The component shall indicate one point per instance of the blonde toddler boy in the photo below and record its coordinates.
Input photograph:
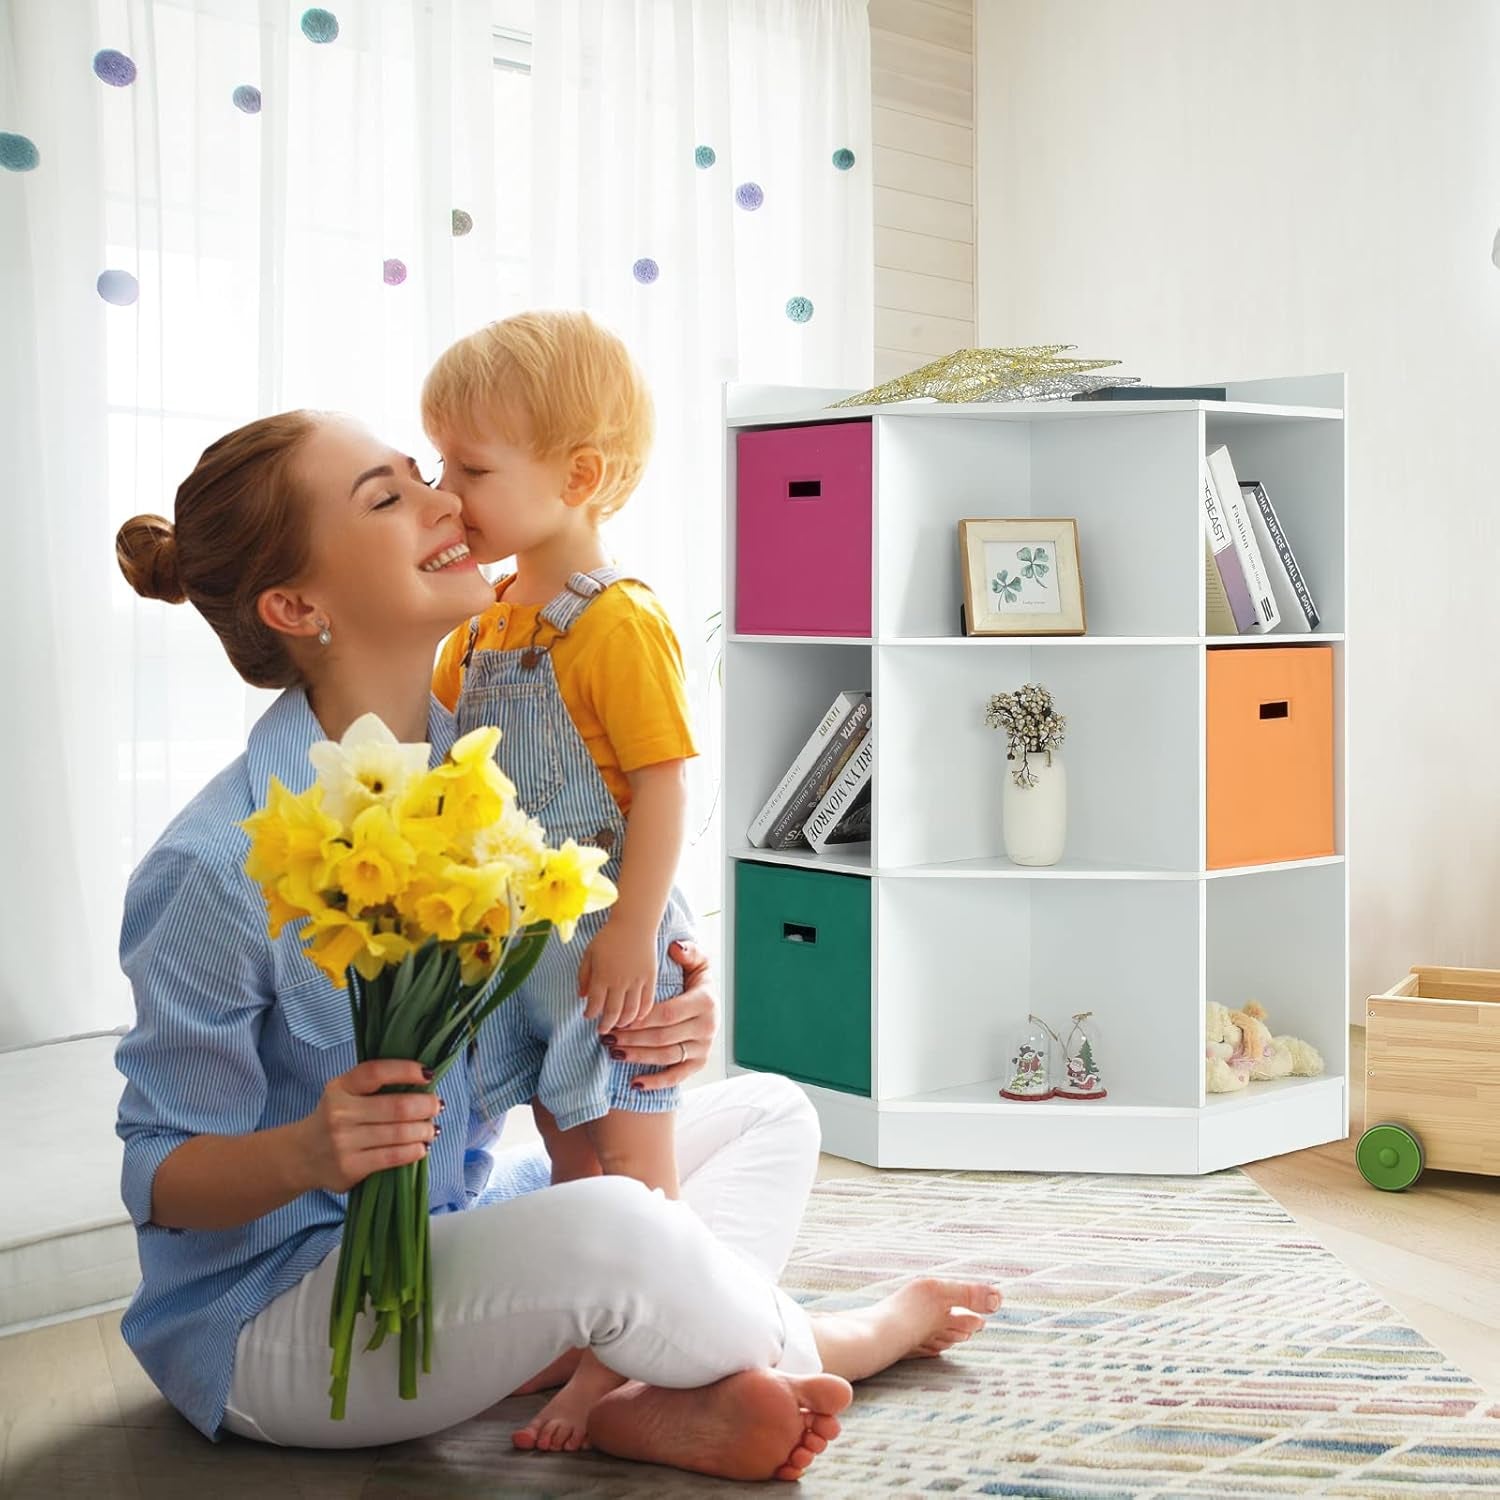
(544, 425)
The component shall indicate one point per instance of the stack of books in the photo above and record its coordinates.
(1251, 577)
(824, 798)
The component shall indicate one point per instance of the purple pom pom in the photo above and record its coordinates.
(114, 68)
(118, 287)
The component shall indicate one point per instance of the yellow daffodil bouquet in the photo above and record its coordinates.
(428, 894)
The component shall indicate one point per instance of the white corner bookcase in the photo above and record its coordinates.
(1132, 924)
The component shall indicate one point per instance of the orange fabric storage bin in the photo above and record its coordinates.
(1270, 754)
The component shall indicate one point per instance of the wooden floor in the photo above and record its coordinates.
(1433, 1252)
(77, 1416)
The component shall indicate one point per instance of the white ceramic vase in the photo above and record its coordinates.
(1036, 817)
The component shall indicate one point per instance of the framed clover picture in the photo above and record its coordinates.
(1021, 576)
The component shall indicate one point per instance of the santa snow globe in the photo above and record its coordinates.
(1081, 1079)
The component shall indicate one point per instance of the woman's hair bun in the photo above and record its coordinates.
(146, 549)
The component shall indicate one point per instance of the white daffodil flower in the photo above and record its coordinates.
(368, 767)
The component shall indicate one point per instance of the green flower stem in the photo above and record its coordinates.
(418, 1009)
(408, 1360)
(426, 1274)
(350, 1283)
(406, 1241)
(380, 1241)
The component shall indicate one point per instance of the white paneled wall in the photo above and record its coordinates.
(1217, 197)
(922, 83)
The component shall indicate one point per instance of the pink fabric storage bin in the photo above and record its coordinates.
(802, 533)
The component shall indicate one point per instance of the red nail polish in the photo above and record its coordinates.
(636, 1083)
(617, 1053)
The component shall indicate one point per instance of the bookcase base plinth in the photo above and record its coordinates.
(974, 1130)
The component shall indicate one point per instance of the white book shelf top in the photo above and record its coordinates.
(837, 859)
(1122, 1100)
(855, 860)
(1287, 638)
(1039, 411)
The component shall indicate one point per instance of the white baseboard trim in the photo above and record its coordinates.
(70, 1316)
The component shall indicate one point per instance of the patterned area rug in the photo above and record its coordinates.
(1160, 1337)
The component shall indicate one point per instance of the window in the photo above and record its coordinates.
(269, 283)
(512, 170)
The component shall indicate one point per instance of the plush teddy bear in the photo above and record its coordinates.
(1240, 1049)
(1281, 1056)
(1235, 1043)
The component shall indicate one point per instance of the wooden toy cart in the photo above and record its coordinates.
(1432, 1077)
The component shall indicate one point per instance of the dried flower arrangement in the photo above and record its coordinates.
(1032, 726)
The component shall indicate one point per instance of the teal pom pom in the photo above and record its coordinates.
(319, 25)
(18, 153)
(799, 309)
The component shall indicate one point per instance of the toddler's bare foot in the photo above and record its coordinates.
(557, 1373)
(561, 1426)
(918, 1321)
(759, 1424)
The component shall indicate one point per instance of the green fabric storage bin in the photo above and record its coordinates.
(802, 974)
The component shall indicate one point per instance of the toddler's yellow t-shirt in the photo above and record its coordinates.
(619, 670)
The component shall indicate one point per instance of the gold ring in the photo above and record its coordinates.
(682, 1049)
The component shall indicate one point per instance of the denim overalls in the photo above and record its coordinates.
(548, 1050)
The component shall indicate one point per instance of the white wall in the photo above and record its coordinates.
(1265, 187)
(922, 93)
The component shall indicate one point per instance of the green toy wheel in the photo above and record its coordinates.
(1389, 1157)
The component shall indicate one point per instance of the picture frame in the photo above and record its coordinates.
(1021, 576)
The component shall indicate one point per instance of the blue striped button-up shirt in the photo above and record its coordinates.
(234, 1034)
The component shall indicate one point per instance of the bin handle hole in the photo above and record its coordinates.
(1274, 710)
(804, 489)
(796, 932)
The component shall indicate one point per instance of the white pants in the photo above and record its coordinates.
(674, 1294)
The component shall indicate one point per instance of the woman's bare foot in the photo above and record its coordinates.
(561, 1426)
(920, 1320)
(760, 1424)
(559, 1372)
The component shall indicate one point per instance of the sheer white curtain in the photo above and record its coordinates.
(270, 194)
(251, 179)
(701, 182)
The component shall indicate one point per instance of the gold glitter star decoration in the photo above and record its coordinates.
(1030, 374)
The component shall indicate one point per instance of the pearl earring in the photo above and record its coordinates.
(325, 635)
